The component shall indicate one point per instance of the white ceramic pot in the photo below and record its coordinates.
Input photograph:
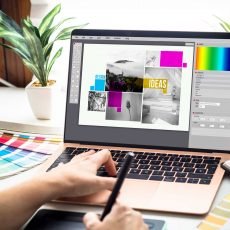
(41, 100)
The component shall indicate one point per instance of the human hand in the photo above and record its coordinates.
(120, 217)
(78, 177)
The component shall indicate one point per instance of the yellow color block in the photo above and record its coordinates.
(215, 220)
(156, 83)
(227, 197)
(55, 140)
(225, 204)
(221, 212)
(205, 226)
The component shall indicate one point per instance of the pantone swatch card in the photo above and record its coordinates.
(19, 152)
(42, 144)
(219, 217)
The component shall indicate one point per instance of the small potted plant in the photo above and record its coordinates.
(34, 45)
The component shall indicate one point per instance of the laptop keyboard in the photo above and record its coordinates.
(156, 166)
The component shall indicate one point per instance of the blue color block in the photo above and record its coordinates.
(91, 87)
(13, 157)
(24, 136)
(99, 85)
(4, 152)
(10, 149)
(23, 153)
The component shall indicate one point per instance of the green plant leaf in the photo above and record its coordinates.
(46, 35)
(50, 65)
(37, 32)
(48, 19)
(34, 69)
(8, 23)
(65, 33)
(47, 50)
(224, 24)
(16, 40)
(34, 44)
(62, 35)
(14, 35)
(36, 51)
(29, 23)
(16, 50)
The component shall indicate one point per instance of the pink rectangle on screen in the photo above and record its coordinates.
(114, 99)
(171, 59)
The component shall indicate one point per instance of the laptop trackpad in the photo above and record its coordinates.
(137, 192)
(134, 193)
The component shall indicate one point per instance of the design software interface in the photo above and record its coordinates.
(167, 84)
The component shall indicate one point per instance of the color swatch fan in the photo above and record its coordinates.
(219, 217)
(19, 152)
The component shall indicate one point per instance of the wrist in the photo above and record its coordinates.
(48, 186)
(56, 183)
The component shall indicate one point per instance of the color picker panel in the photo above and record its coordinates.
(213, 58)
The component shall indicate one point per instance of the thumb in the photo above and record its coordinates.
(91, 221)
(106, 182)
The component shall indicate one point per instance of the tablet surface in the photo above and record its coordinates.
(46, 219)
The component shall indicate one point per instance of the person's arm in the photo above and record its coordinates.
(76, 178)
(17, 204)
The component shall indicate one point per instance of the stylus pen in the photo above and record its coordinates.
(117, 186)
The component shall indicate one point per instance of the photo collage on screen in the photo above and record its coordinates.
(145, 88)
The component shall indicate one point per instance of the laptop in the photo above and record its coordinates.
(163, 95)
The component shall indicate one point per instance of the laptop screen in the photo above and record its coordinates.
(149, 89)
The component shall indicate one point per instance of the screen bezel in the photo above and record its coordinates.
(135, 33)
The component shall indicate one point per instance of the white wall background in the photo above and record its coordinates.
(191, 15)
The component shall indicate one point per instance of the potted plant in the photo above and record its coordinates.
(34, 45)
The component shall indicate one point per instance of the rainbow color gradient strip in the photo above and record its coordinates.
(213, 58)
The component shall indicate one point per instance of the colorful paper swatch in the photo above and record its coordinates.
(13, 160)
(218, 217)
(45, 145)
(213, 58)
(19, 152)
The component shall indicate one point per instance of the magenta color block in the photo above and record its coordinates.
(171, 59)
(118, 110)
(114, 99)
(184, 65)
